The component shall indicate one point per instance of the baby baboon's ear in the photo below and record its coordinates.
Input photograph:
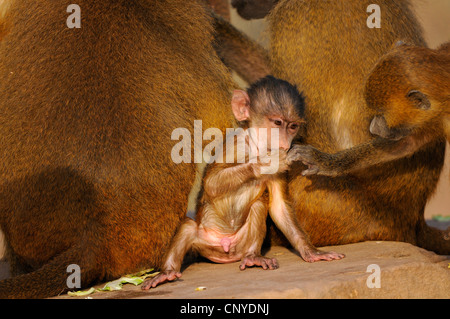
(419, 100)
(240, 104)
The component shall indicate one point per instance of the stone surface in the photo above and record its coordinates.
(406, 272)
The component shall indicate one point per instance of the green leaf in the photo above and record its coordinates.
(135, 279)
(117, 284)
(141, 273)
(441, 218)
(81, 293)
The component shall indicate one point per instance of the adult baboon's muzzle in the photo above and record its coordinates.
(379, 127)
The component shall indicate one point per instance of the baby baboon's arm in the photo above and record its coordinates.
(283, 218)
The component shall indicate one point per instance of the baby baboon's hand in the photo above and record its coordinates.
(274, 162)
(314, 255)
(283, 165)
(318, 162)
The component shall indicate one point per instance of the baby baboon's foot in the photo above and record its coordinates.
(265, 263)
(161, 278)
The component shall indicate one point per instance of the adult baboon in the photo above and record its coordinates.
(327, 49)
(86, 116)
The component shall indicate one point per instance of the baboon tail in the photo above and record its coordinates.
(239, 53)
(52, 278)
(433, 239)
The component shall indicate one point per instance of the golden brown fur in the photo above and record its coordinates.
(327, 50)
(86, 118)
(409, 88)
(4, 25)
(239, 53)
(221, 7)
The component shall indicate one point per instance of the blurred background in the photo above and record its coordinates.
(435, 18)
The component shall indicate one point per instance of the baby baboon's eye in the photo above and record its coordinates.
(277, 122)
(419, 100)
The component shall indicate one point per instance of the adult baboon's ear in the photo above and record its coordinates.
(419, 100)
(399, 43)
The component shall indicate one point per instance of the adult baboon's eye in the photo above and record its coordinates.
(419, 100)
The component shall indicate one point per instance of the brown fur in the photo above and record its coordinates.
(86, 118)
(410, 89)
(238, 52)
(404, 81)
(4, 25)
(327, 50)
(221, 7)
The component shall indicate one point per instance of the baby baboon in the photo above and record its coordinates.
(231, 222)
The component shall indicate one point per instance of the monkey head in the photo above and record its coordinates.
(399, 90)
(271, 103)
